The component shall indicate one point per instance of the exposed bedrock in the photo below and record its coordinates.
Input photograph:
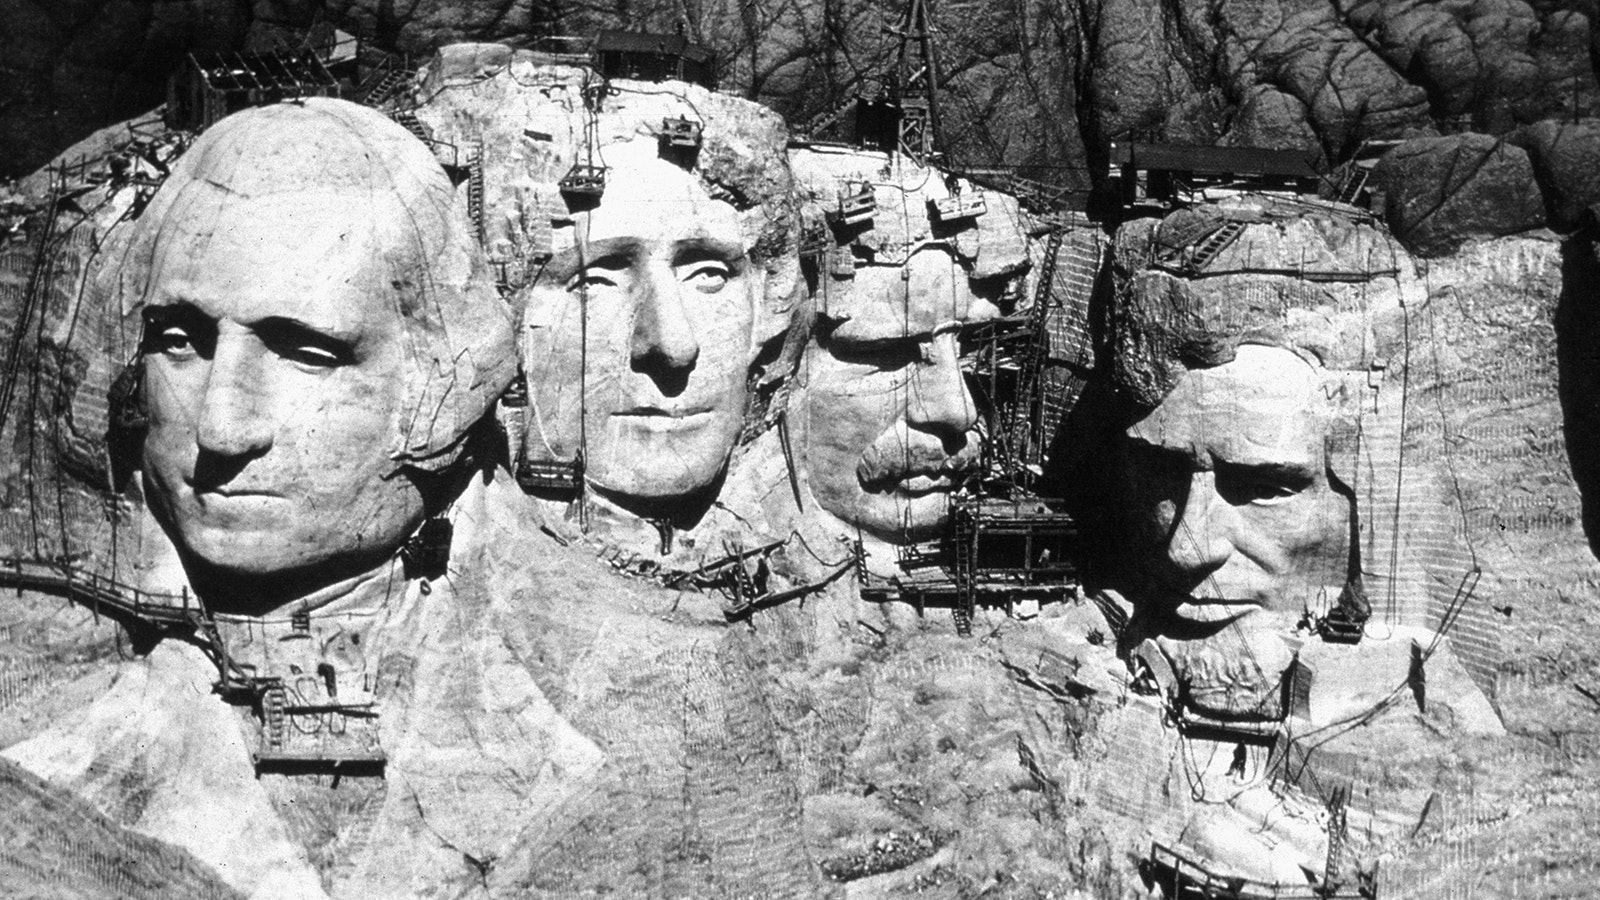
(1028, 83)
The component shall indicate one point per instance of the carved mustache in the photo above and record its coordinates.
(900, 454)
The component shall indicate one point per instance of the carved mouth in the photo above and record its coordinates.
(937, 482)
(228, 492)
(658, 419)
(1195, 617)
(925, 475)
(656, 412)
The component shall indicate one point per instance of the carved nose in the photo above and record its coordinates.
(1201, 539)
(663, 339)
(939, 400)
(234, 418)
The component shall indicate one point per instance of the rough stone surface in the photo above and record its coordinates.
(58, 846)
(1439, 192)
(1041, 85)
(834, 748)
(1563, 154)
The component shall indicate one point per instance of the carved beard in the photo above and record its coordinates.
(1236, 674)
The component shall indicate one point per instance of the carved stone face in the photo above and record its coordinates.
(659, 382)
(274, 350)
(891, 425)
(1228, 491)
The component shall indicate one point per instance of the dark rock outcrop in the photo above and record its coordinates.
(1039, 85)
(1440, 192)
(69, 68)
(1566, 161)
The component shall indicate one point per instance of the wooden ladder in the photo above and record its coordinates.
(964, 574)
(1350, 192)
(1213, 244)
(475, 189)
(273, 717)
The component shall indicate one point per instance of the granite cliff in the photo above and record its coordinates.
(838, 748)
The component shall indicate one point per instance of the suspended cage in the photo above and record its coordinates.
(959, 207)
(681, 133)
(814, 241)
(583, 181)
(427, 554)
(856, 207)
(1346, 622)
(550, 476)
(516, 395)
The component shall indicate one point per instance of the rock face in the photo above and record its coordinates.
(587, 695)
(1440, 192)
(1563, 160)
(46, 826)
(1033, 84)
(72, 68)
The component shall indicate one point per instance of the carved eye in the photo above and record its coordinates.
(707, 276)
(606, 271)
(312, 356)
(173, 341)
(177, 332)
(304, 346)
(590, 279)
(1240, 486)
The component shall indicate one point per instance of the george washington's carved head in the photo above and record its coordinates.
(320, 337)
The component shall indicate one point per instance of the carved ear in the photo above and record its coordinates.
(126, 423)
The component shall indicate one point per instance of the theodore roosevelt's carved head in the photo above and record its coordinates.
(891, 426)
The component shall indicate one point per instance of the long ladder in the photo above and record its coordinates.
(475, 190)
(1021, 427)
(409, 121)
(828, 118)
(964, 574)
(1333, 872)
(382, 85)
(38, 278)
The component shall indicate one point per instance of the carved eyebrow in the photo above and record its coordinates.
(179, 311)
(862, 333)
(611, 253)
(1287, 472)
(285, 331)
(704, 247)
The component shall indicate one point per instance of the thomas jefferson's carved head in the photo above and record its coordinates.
(320, 337)
(662, 273)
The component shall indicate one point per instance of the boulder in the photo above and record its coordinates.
(1566, 162)
(1441, 191)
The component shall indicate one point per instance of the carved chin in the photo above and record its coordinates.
(1234, 675)
(659, 458)
(273, 535)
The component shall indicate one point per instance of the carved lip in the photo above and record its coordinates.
(229, 493)
(917, 483)
(1211, 613)
(657, 412)
(920, 478)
